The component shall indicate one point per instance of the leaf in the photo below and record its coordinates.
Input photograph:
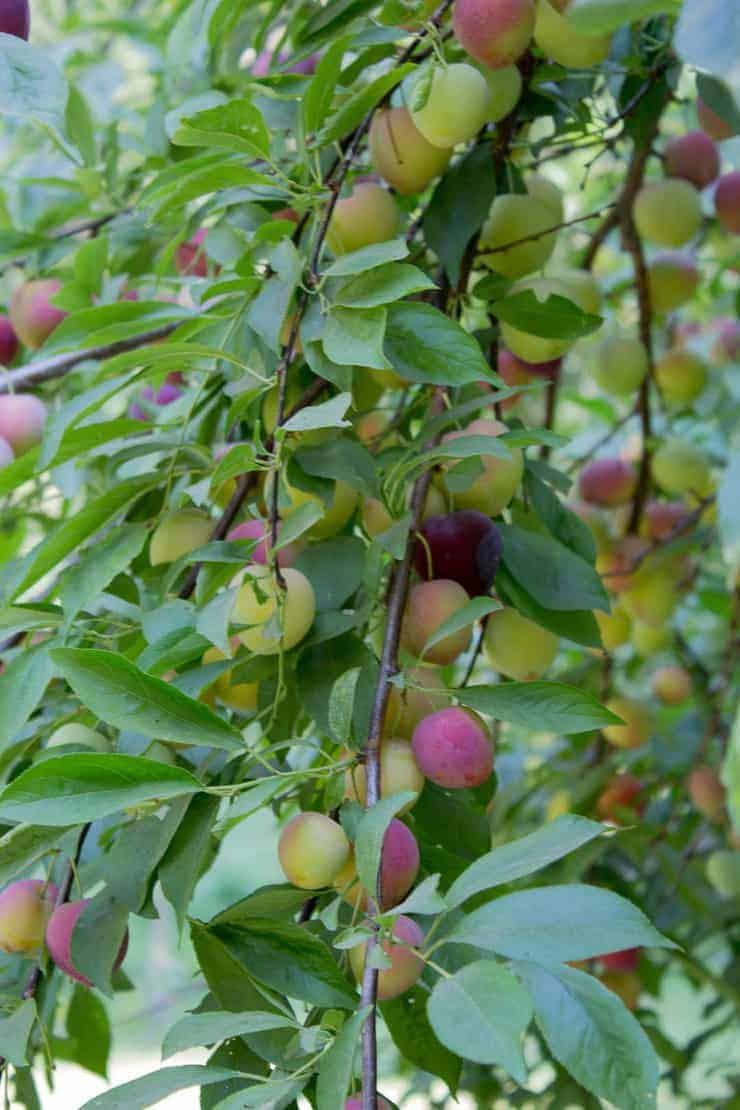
(123, 696)
(341, 704)
(70, 789)
(555, 576)
(424, 345)
(353, 110)
(458, 208)
(371, 831)
(578, 625)
(209, 1028)
(15, 1030)
(382, 286)
(83, 583)
(730, 772)
(320, 93)
(79, 126)
(336, 1065)
(603, 16)
(180, 867)
(23, 845)
(423, 900)
(473, 610)
(481, 1013)
(523, 856)
(150, 1089)
(591, 1033)
(130, 866)
(334, 568)
(330, 414)
(554, 318)
(320, 666)
(728, 514)
(341, 458)
(236, 125)
(32, 86)
(559, 520)
(22, 685)
(96, 939)
(367, 258)
(89, 1031)
(717, 96)
(413, 1036)
(268, 310)
(558, 923)
(707, 34)
(354, 337)
(550, 706)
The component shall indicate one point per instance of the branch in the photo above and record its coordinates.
(546, 231)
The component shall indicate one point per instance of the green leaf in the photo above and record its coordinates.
(413, 1036)
(356, 108)
(319, 667)
(559, 520)
(523, 856)
(550, 706)
(15, 1030)
(22, 686)
(129, 866)
(289, 959)
(728, 514)
(320, 93)
(336, 1065)
(79, 126)
(32, 86)
(209, 1028)
(341, 458)
(123, 696)
(473, 610)
(88, 1029)
(83, 583)
(367, 258)
(371, 830)
(24, 845)
(578, 625)
(341, 705)
(602, 16)
(330, 414)
(70, 789)
(24, 618)
(92, 327)
(731, 772)
(481, 1013)
(150, 1089)
(591, 1033)
(554, 318)
(180, 867)
(97, 937)
(424, 345)
(458, 208)
(334, 568)
(555, 576)
(707, 35)
(717, 96)
(236, 125)
(558, 923)
(354, 337)
(382, 286)
(266, 314)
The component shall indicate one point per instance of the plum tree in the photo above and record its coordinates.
(399, 772)
(607, 482)
(668, 212)
(707, 792)
(693, 157)
(513, 217)
(31, 312)
(242, 696)
(368, 215)
(401, 154)
(75, 733)
(399, 867)
(516, 646)
(406, 965)
(713, 124)
(672, 281)
(22, 421)
(637, 723)
(429, 605)
(59, 940)
(671, 684)
(560, 40)
(8, 341)
(25, 908)
(15, 18)
(452, 546)
(504, 91)
(727, 202)
(191, 259)
(178, 534)
(494, 34)
(679, 467)
(453, 748)
(277, 619)
(621, 800)
(452, 106)
(620, 365)
(312, 850)
(491, 491)
(423, 693)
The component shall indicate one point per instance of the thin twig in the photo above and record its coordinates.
(545, 231)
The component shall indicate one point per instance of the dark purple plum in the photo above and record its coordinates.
(15, 18)
(464, 546)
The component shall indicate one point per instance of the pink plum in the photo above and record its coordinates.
(190, 256)
(259, 530)
(22, 420)
(727, 201)
(406, 966)
(453, 749)
(694, 157)
(495, 34)
(32, 314)
(59, 940)
(607, 482)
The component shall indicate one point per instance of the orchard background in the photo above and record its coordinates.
(370, 539)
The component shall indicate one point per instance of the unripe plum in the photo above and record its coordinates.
(275, 627)
(407, 706)
(614, 627)
(579, 286)
(620, 365)
(514, 372)
(368, 215)
(672, 281)
(429, 605)
(22, 421)
(260, 530)
(492, 490)
(620, 800)
(558, 805)
(456, 106)
(636, 728)
(564, 43)
(727, 201)
(651, 595)
(242, 696)
(648, 638)
(371, 426)
(662, 518)
(398, 870)
(712, 124)
(607, 482)
(31, 312)
(406, 966)
(74, 733)
(178, 534)
(494, 34)
(453, 749)
(512, 217)
(401, 154)
(375, 517)
(694, 157)
(667, 212)
(516, 646)
(625, 984)
(617, 563)
(399, 772)
(451, 546)
(335, 515)
(190, 257)
(59, 940)
(15, 18)
(6, 453)
(723, 872)
(504, 90)
(707, 792)
(312, 850)
(679, 467)
(626, 959)
(671, 684)
(681, 376)
(8, 341)
(25, 908)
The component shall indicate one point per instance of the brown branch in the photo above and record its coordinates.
(546, 231)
